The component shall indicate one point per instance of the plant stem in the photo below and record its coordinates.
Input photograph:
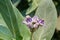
(32, 31)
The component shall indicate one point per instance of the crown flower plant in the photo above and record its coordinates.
(33, 20)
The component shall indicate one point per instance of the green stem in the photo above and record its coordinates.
(31, 35)
(32, 31)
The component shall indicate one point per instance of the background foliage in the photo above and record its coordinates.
(57, 5)
(27, 7)
(56, 36)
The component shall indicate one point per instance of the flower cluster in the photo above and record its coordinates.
(33, 22)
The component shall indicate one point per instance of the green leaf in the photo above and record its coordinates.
(16, 2)
(29, 0)
(2, 21)
(46, 11)
(32, 6)
(14, 19)
(25, 32)
(9, 17)
(5, 33)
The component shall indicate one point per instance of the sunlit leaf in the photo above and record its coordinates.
(29, 0)
(46, 11)
(32, 6)
(25, 32)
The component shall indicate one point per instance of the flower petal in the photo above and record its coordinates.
(30, 25)
(28, 16)
(35, 26)
(35, 19)
(28, 20)
(41, 22)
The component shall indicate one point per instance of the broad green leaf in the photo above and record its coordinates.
(47, 11)
(32, 6)
(14, 19)
(16, 2)
(2, 21)
(5, 33)
(25, 32)
(9, 17)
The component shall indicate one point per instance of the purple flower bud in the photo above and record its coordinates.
(28, 20)
(33, 22)
(41, 22)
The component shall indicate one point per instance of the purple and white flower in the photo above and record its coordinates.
(34, 22)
